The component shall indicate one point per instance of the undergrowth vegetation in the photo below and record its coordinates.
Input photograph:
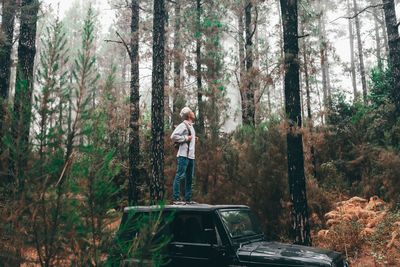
(63, 203)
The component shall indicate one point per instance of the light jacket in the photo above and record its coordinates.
(180, 135)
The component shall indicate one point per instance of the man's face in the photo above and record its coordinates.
(191, 115)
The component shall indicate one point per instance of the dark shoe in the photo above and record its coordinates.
(191, 202)
(178, 202)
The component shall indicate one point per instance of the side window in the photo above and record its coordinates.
(189, 228)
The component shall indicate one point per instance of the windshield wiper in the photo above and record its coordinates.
(260, 237)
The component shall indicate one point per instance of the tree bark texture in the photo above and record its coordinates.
(282, 72)
(134, 139)
(377, 38)
(242, 64)
(385, 34)
(394, 49)
(7, 28)
(249, 113)
(324, 58)
(24, 85)
(178, 98)
(300, 227)
(360, 52)
(352, 61)
(167, 89)
(200, 116)
(308, 102)
(157, 103)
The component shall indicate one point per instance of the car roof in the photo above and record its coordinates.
(191, 207)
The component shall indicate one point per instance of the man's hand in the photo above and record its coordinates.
(189, 138)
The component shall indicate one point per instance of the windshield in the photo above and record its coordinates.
(240, 223)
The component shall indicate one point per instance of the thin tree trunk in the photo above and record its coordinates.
(323, 56)
(377, 39)
(24, 87)
(385, 34)
(167, 88)
(352, 61)
(394, 50)
(249, 117)
(200, 116)
(326, 66)
(297, 184)
(242, 64)
(282, 72)
(157, 103)
(178, 100)
(308, 102)
(134, 139)
(360, 52)
(256, 86)
(7, 28)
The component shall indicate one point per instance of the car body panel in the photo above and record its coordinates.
(190, 248)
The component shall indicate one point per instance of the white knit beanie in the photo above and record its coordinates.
(185, 112)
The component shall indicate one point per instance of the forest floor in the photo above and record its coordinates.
(367, 232)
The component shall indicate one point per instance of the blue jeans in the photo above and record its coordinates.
(185, 169)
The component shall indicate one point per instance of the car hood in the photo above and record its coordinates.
(286, 254)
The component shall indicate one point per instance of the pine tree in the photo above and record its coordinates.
(360, 51)
(7, 28)
(248, 115)
(394, 50)
(157, 103)
(297, 184)
(47, 206)
(178, 98)
(134, 141)
(352, 61)
(200, 104)
(23, 90)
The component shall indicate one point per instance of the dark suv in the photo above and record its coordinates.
(228, 235)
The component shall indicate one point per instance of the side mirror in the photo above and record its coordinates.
(211, 235)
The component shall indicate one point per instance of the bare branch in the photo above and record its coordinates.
(303, 36)
(359, 12)
(126, 45)
(112, 41)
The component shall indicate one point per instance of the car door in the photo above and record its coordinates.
(190, 245)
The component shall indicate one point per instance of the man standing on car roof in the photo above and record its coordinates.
(185, 136)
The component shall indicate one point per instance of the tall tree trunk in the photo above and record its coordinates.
(248, 118)
(297, 183)
(24, 87)
(157, 103)
(7, 28)
(282, 72)
(352, 61)
(167, 88)
(134, 139)
(377, 38)
(178, 99)
(324, 58)
(326, 61)
(360, 52)
(242, 64)
(257, 95)
(200, 116)
(385, 34)
(394, 49)
(308, 101)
